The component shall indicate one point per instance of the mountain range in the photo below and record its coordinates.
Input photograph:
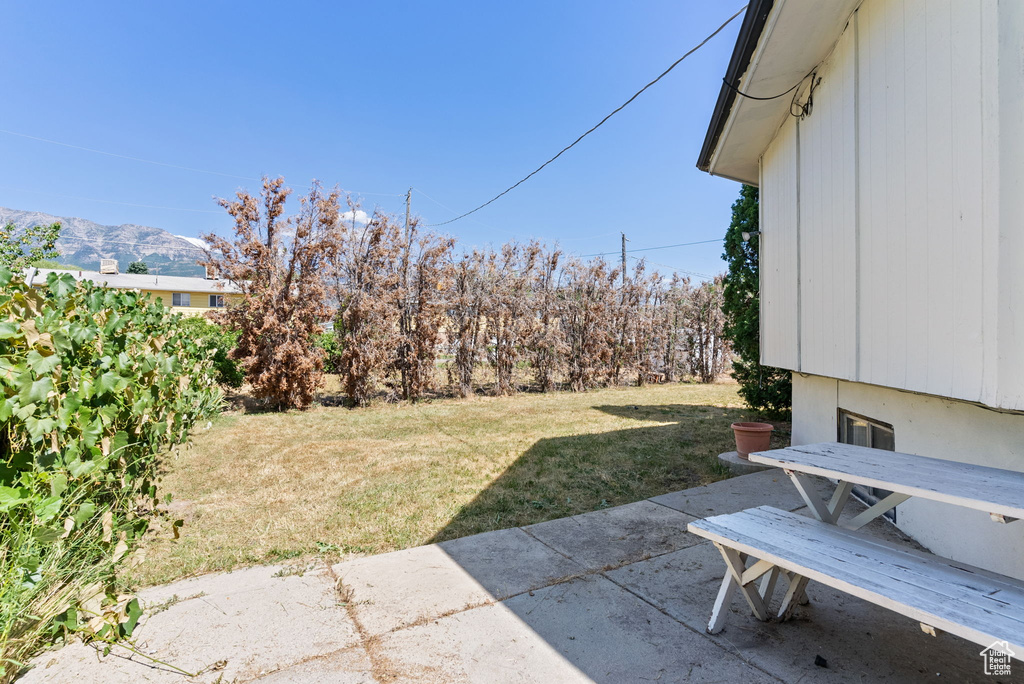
(83, 243)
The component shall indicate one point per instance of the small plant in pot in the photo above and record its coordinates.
(751, 437)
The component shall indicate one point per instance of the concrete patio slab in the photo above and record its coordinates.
(406, 587)
(585, 630)
(768, 488)
(622, 594)
(615, 536)
(238, 627)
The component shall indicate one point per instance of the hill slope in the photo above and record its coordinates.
(83, 243)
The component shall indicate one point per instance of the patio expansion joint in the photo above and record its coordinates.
(562, 580)
(297, 663)
(369, 640)
(701, 516)
(698, 632)
(593, 571)
(380, 665)
(675, 510)
(603, 573)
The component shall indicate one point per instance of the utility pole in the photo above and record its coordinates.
(623, 261)
(405, 322)
(408, 201)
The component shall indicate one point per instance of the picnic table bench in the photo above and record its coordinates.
(760, 545)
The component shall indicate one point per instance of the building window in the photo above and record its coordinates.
(216, 301)
(181, 299)
(866, 432)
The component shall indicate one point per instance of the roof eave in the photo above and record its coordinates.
(746, 42)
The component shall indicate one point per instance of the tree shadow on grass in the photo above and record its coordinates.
(563, 476)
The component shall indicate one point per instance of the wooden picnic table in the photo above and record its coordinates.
(1000, 493)
(760, 545)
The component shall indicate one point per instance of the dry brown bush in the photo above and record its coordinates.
(278, 264)
(369, 294)
(399, 297)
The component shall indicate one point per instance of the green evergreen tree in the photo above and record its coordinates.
(139, 267)
(766, 389)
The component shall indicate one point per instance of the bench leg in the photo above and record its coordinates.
(839, 498)
(819, 509)
(735, 566)
(767, 587)
(722, 601)
(880, 508)
(796, 594)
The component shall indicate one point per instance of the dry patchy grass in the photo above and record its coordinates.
(259, 488)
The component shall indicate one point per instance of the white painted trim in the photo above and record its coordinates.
(755, 58)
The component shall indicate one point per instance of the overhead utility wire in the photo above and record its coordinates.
(674, 269)
(598, 125)
(159, 163)
(126, 204)
(650, 249)
(104, 241)
(124, 156)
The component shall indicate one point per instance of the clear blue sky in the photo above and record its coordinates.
(456, 99)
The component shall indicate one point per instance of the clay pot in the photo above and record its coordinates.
(751, 437)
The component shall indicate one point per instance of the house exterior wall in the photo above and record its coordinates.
(200, 301)
(891, 251)
(934, 427)
(779, 260)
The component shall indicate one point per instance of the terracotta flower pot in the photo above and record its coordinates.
(751, 437)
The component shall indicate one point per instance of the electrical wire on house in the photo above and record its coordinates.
(594, 128)
(739, 92)
(802, 110)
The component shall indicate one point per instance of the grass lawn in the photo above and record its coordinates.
(260, 488)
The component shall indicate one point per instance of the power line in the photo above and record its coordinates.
(165, 164)
(595, 127)
(651, 249)
(103, 241)
(126, 204)
(674, 269)
(476, 220)
(443, 206)
(125, 156)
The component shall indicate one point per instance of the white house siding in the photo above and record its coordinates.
(1007, 245)
(779, 257)
(935, 427)
(828, 222)
(906, 188)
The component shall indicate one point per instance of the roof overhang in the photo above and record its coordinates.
(779, 43)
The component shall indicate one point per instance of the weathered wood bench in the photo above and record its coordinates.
(942, 594)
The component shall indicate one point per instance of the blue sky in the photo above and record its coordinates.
(458, 100)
